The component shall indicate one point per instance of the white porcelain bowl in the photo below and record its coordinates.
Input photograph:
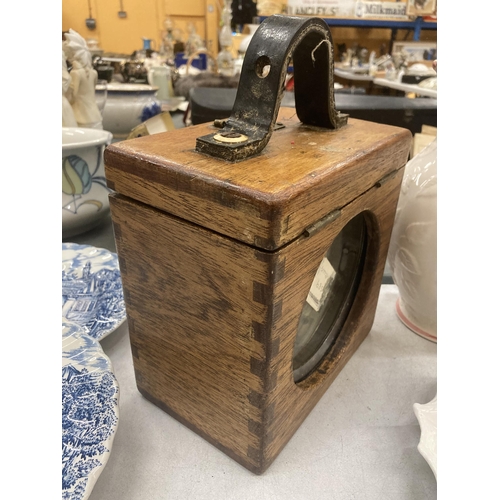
(84, 193)
(128, 105)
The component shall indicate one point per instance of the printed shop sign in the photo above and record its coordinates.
(383, 10)
(321, 8)
(348, 9)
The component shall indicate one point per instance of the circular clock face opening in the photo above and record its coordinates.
(330, 297)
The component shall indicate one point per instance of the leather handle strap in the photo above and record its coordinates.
(262, 83)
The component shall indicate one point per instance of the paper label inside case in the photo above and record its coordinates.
(321, 284)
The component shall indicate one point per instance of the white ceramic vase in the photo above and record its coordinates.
(413, 249)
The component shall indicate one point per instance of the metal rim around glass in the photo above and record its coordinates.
(330, 297)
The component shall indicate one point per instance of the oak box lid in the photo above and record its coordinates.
(302, 175)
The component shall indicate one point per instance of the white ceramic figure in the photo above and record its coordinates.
(68, 117)
(413, 248)
(194, 41)
(168, 41)
(81, 92)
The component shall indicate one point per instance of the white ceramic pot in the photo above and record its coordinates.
(413, 249)
(246, 41)
(128, 105)
(160, 76)
(84, 192)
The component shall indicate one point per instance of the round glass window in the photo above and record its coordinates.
(330, 297)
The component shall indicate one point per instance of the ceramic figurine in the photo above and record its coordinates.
(225, 60)
(68, 117)
(342, 51)
(168, 41)
(194, 42)
(81, 92)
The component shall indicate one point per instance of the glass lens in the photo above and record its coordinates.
(330, 297)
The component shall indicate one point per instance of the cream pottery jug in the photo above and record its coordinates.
(413, 249)
(160, 76)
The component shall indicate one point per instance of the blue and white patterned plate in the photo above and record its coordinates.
(90, 397)
(92, 293)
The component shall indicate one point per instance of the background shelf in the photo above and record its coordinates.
(417, 25)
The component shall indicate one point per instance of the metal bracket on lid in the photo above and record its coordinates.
(262, 83)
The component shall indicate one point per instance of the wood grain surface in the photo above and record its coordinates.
(303, 174)
(212, 321)
(212, 313)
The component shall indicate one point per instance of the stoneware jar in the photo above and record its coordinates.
(413, 249)
(128, 105)
(252, 28)
(84, 192)
(160, 76)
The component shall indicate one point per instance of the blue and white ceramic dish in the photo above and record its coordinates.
(90, 397)
(92, 293)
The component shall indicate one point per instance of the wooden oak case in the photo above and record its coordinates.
(217, 259)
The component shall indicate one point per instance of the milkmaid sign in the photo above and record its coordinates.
(348, 9)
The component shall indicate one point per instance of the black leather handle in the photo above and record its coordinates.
(262, 83)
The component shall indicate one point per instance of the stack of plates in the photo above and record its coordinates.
(92, 308)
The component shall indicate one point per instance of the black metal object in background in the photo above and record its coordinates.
(262, 83)
(242, 12)
(209, 104)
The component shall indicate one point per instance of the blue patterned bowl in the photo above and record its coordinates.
(128, 105)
